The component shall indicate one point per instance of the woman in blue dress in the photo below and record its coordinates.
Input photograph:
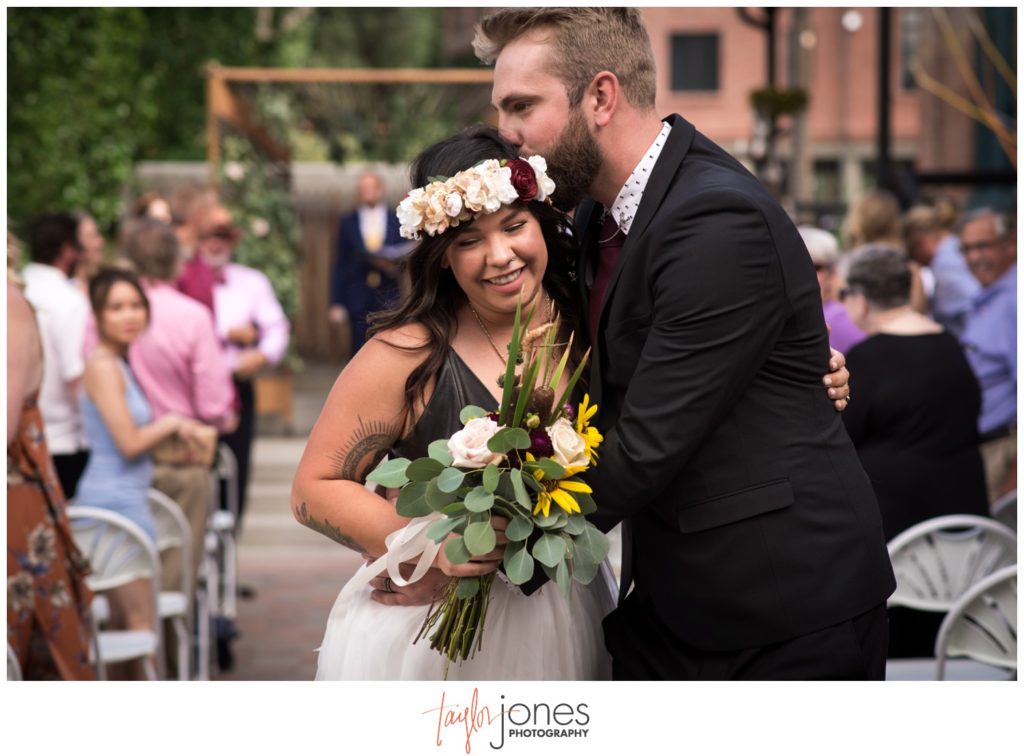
(120, 429)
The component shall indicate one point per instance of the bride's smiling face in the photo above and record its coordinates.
(496, 256)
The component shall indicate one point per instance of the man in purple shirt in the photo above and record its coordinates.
(250, 324)
(988, 242)
(180, 366)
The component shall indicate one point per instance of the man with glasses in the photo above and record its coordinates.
(988, 243)
(61, 311)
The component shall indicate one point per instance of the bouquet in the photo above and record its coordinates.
(521, 463)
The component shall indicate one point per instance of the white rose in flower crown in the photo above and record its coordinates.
(409, 214)
(453, 204)
(468, 446)
(570, 448)
(545, 186)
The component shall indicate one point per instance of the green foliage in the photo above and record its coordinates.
(79, 108)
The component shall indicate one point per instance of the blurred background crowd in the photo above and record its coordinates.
(183, 237)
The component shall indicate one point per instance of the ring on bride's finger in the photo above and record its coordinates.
(848, 397)
(387, 585)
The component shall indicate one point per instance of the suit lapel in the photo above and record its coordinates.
(669, 162)
(585, 228)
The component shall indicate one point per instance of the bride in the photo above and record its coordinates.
(439, 350)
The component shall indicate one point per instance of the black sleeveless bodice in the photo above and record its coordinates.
(456, 387)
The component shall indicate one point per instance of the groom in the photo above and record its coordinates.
(757, 550)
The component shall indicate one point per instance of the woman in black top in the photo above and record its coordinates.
(916, 416)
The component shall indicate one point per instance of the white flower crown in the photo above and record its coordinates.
(482, 189)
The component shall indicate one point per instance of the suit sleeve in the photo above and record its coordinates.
(719, 305)
(341, 274)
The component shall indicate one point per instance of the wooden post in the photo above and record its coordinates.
(214, 82)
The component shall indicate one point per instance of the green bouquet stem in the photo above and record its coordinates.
(458, 623)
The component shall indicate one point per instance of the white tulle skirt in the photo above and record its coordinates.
(539, 637)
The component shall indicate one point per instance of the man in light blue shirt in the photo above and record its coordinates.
(989, 245)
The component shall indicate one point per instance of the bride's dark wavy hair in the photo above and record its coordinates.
(435, 296)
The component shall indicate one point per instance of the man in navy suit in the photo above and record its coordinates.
(365, 276)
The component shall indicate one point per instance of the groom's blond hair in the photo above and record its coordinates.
(584, 42)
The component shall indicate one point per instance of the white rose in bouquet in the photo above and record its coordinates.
(468, 446)
(570, 448)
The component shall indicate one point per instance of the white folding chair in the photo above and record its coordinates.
(982, 625)
(119, 552)
(1004, 510)
(173, 532)
(937, 560)
(13, 668)
(224, 525)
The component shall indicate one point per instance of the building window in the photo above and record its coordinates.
(694, 62)
(910, 42)
(827, 185)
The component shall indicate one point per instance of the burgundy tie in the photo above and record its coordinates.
(609, 244)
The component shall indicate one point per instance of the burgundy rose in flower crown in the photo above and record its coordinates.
(524, 180)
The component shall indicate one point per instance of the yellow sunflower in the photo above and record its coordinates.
(591, 436)
(558, 490)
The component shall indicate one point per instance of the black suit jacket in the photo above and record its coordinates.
(753, 521)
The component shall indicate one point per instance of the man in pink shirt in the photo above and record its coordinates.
(250, 323)
(179, 363)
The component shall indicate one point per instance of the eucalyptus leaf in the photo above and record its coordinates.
(518, 529)
(454, 509)
(467, 587)
(438, 530)
(575, 525)
(518, 564)
(479, 500)
(508, 439)
(456, 551)
(424, 469)
(549, 549)
(480, 538)
(492, 475)
(439, 450)
(390, 474)
(593, 542)
(520, 490)
(551, 468)
(532, 482)
(563, 578)
(587, 504)
(450, 479)
(469, 412)
(546, 522)
(584, 572)
(412, 501)
(438, 499)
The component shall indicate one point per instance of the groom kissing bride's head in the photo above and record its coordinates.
(548, 98)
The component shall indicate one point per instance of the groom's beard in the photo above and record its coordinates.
(573, 163)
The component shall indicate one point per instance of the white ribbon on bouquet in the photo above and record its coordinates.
(403, 545)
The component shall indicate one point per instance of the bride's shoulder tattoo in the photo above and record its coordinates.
(326, 528)
(364, 449)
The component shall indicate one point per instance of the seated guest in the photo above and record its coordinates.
(914, 417)
(824, 251)
(988, 242)
(121, 431)
(179, 363)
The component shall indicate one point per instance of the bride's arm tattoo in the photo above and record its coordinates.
(326, 528)
(364, 449)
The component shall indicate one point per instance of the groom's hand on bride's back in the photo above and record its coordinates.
(837, 380)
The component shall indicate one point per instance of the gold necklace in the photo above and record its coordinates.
(487, 333)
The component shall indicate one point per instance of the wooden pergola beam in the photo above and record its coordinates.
(359, 75)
